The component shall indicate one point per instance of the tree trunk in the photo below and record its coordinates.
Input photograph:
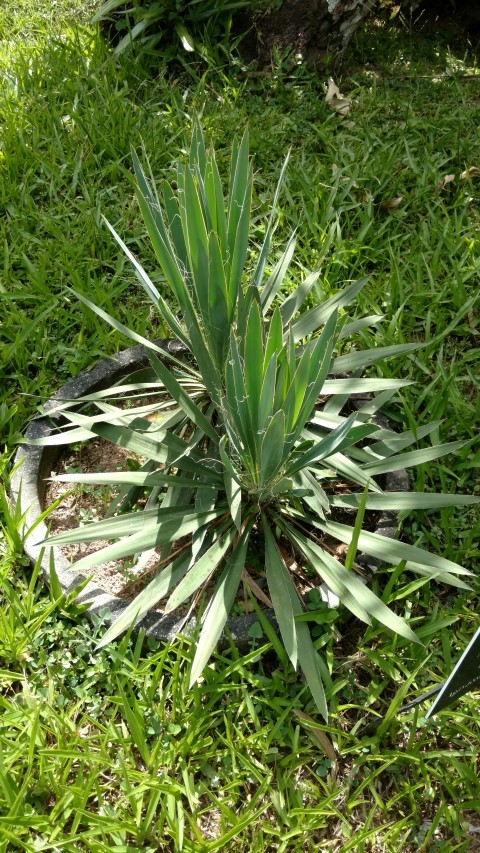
(319, 30)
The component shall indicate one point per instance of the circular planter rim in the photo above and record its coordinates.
(33, 464)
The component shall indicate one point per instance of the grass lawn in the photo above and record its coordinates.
(108, 751)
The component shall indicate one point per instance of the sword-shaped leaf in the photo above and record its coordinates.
(355, 326)
(265, 405)
(357, 528)
(253, 362)
(265, 250)
(152, 536)
(133, 523)
(220, 604)
(370, 602)
(295, 300)
(183, 399)
(358, 360)
(196, 241)
(415, 457)
(391, 550)
(201, 570)
(274, 342)
(275, 279)
(391, 442)
(320, 357)
(160, 239)
(238, 215)
(239, 414)
(405, 501)
(312, 320)
(216, 204)
(220, 312)
(317, 501)
(338, 440)
(327, 570)
(283, 594)
(143, 479)
(272, 448)
(157, 589)
(129, 333)
(171, 450)
(310, 662)
(355, 594)
(362, 386)
(172, 211)
(348, 468)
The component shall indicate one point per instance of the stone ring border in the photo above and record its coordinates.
(34, 464)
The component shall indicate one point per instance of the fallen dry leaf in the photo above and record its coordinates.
(247, 578)
(336, 101)
(472, 172)
(390, 203)
(448, 179)
(344, 179)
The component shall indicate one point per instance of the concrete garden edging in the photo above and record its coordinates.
(34, 464)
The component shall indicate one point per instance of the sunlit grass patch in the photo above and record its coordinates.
(108, 751)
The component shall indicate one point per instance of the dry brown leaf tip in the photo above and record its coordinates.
(468, 174)
(447, 179)
(319, 737)
(336, 101)
(390, 203)
(472, 172)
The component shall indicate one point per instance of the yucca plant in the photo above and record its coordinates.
(252, 428)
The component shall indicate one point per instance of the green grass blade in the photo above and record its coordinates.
(357, 529)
